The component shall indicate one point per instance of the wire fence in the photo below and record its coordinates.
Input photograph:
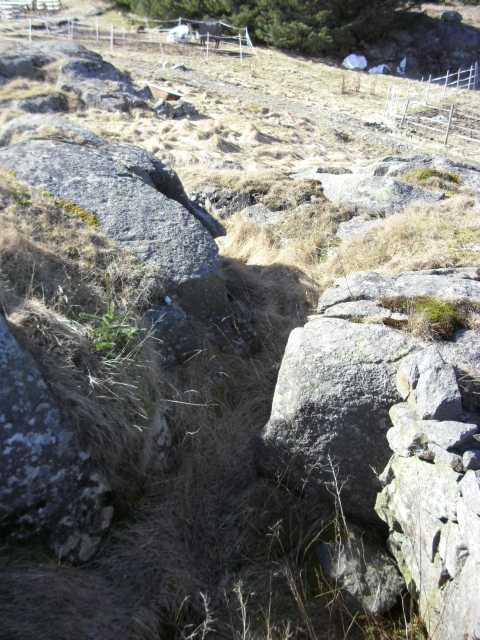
(237, 43)
(404, 109)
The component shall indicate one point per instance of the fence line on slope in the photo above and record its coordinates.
(33, 28)
(403, 109)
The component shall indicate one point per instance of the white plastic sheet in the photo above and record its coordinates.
(402, 66)
(353, 62)
(381, 69)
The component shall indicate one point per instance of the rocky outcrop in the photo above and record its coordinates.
(397, 166)
(133, 158)
(49, 490)
(440, 283)
(372, 195)
(337, 383)
(432, 47)
(98, 84)
(123, 200)
(431, 503)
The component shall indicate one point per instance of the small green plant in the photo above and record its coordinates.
(113, 335)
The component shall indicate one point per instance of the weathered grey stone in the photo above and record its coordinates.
(397, 166)
(175, 337)
(405, 438)
(431, 388)
(183, 109)
(452, 549)
(452, 460)
(53, 103)
(137, 160)
(463, 352)
(28, 61)
(163, 108)
(367, 576)
(452, 17)
(226, 165)
(99, 85)
(156, 229)
(447, 435)
(469, 527)
(48, 490)
(471, 460)
(458, 616)
(360, 309)
(161, 446)
(261, 215)
(366, 194)
(470, 489)
(402, 510)
(367, 285)
(426, 487)
(334, 389)
(355, 227)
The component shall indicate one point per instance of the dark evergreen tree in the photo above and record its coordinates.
(314, 26)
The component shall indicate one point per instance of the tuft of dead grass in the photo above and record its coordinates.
(421, 237)
(52, 265)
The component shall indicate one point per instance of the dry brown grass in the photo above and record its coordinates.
(52, 266)
(421, 237)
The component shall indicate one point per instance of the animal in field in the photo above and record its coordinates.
(213, 29)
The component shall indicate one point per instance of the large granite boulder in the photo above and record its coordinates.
(137, 160)
(97, 83)
(373, 195)
(49, 491)
(337, 383)
(129, 211)
(368, 285)
(330, 409)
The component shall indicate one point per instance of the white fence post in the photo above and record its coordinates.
(419, 91)
(458, 81)
(148, 29)
(470, 77)
(240, 41)
(446, 83)
(208, 41)
(111, 37)
(96, 27)
(407, 102)
(386, 101)
(160, 43)
(428, 89)
(475, 80)
(449, 123)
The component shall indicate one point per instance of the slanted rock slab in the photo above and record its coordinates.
(368, 285)
(430, 385)
(334, 389)
(366, 194)
(156, 229)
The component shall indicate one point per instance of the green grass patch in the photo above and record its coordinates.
(74, 209)
(445, 317)
(433, 179)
